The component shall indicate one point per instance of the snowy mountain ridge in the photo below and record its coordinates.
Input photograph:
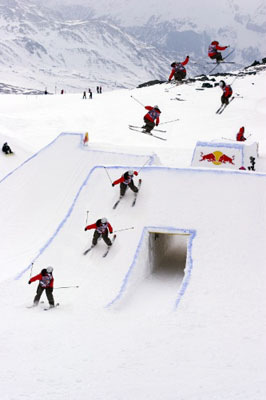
(75, 47)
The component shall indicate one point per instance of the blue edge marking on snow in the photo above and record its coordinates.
(236, 146)
(189, 263)
(69, 212)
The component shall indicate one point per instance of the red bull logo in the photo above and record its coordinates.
(217, 158)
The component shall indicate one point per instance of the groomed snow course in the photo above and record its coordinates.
(201, 338)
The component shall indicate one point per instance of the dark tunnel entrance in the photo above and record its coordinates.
(168, 255)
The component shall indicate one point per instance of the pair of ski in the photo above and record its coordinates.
(134, 200)
(223, 106)
(46, 308)
(141, 130)
(105, 253)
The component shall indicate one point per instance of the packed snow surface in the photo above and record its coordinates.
(177, 308)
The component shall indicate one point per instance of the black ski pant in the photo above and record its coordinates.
(149, 125)
(104, 235)
(218, 57)
(225, 100)
(49, 295)
(180, 75)
(123, 188)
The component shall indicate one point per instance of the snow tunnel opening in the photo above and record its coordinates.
(168, 255)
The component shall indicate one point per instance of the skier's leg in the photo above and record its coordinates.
(95, 238)
(149, 126)
(106, 239)
(123, 189)
(38, 294)
(49, 295)
(133, 187)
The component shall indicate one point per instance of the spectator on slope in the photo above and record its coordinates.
(46, 282)
(101, 227)
(227, 92)
(150, 117)
(6, 149)
(240, 135)
(84, 95)
(126, 181)
(90, 94)
(213, 51)
(178, 70)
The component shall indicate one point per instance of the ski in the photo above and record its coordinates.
(108, 248)
(147, 133)
(136, 194)
(35, 305)
(51, 308)
(140, 127)
(221, 62)
(116, 203)
(223, 106)
(89, 249)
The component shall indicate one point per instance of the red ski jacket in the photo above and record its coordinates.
(122, 179)
(45, 280)
(152, 114)
(240, 136)
(214, 47)
(227, 91)
(180, 67)
(101, 228)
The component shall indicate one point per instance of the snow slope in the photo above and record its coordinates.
(130, 330)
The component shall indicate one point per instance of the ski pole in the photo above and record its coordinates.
(167, 122)
(87, 218)
(124, 229)
(108, 174)
(144, 165)
(31, 269)
(137, 101)
(66, 287)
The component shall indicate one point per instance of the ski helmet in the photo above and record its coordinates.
(222, 84)
(130, 172)
(157, 108)
(104, 220)
(49, 270)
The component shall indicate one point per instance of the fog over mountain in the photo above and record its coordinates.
(120, 43)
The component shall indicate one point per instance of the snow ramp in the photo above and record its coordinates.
(38, 196)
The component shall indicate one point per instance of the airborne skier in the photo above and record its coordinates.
(213, 51)
(178, 70)
(150, 117)
(227, 92)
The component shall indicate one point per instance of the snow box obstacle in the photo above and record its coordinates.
(163, 258)
(232, 155)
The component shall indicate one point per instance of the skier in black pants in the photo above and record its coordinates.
(126, 181)
(6, 149)
(101, 227)
(46, 282)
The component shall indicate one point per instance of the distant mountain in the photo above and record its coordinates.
(113, 45)
(42, 47)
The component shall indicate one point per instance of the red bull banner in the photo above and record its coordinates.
(237, 156)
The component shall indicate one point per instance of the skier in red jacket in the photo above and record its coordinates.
(126, 181)
(240, 135)
(213, 51)
(46, 282)
(101, 227)
(150, 117)
(178, 70)
(227, 92)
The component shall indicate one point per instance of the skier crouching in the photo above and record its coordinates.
(126, 181)
(227, 92)
(101, 227)
(46, 282)
(150, 117)
(178, 70)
